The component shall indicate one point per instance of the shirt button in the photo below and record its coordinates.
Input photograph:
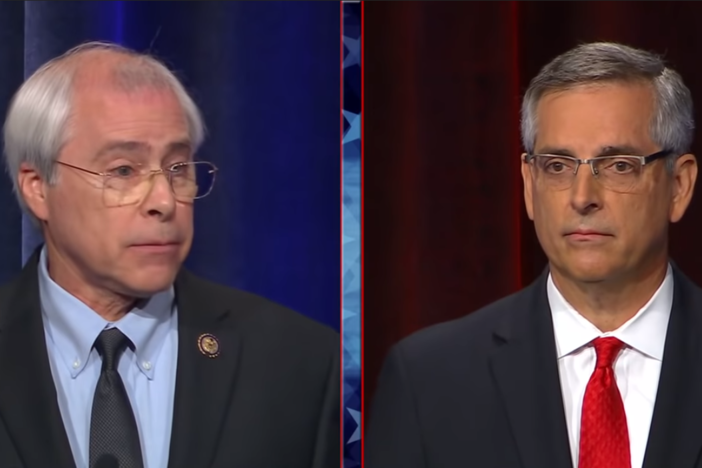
(76, 363)
(146, 365)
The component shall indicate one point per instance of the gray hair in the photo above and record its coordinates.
(36, 127)
(672, 125)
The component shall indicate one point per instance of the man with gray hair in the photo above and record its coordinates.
(598, 363)
(111, 354)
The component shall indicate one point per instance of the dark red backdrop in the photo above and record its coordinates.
(445, 228)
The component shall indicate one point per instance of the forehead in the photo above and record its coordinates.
(99, 98)
(103, 103)
(611, 114)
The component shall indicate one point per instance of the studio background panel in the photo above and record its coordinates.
(266, 76)
(446, 231)
(352, 233)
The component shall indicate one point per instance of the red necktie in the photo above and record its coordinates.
(604, 438)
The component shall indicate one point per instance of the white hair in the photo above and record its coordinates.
(672, 126)
(36, 124)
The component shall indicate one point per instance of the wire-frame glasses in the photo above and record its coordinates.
(129, 184)
(618, 173)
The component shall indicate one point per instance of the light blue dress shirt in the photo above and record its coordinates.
(148, 373)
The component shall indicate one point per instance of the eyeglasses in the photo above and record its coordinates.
(129, 184)
(618, 173)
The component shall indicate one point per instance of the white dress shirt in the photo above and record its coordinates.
(637, 368)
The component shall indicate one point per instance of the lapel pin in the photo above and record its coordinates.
(208, 345)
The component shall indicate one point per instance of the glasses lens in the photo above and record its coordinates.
(616, 173)
(556, 173)
(189, 181)
(193, 180)
(619, 173)
(124, 187)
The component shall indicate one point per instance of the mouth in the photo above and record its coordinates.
(583, 235)
(156, 247)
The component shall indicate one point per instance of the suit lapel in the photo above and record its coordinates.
(525, 370)
(204, 384)
(28, 402)
(674, 439)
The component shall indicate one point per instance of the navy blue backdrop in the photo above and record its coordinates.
(267, 78)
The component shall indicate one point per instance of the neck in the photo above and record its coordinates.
(611, 303)
(107, 304)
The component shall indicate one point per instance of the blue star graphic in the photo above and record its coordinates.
(354, 132)
(354, 55)
(356, 415)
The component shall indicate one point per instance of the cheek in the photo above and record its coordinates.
(546, 221)
(73, 206)
(547, 208)
(72, 194)
(184, 218)
(643, 214)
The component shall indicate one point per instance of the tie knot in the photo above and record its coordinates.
(607, 350)
(110, 344)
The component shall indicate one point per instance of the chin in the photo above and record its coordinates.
(149, 281)
(594, 272)
(588, 266)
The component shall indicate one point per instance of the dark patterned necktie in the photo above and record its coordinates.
(114, 436)
(604, 436)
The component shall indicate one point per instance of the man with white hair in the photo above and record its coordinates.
(111, 354)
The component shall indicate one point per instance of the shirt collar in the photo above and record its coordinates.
(644, 332)
(73, 326)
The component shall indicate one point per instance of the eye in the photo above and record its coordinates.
(183, 170)
(557, 165)
(123, 171)
(621, 166)
(178, 169)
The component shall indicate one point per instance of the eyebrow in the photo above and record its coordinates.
(612, 150)
(141, 147)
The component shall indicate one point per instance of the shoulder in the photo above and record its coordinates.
(20, 284)
(7, 290)
(470, 335)
(685, 286)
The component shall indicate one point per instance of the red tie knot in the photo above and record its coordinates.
(607, 350)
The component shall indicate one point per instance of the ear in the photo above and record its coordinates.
(684, 177)
(32, 188)
(528, 181)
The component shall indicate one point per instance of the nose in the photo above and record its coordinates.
(585, 193)
(159, 200)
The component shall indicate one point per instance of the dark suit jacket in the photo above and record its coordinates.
(271, 399)
(483, 391)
